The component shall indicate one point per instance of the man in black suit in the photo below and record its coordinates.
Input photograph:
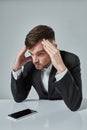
(53, 73)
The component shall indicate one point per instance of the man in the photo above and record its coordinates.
(53, 73)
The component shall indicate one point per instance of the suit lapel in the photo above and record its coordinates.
(38, 82)
(51, 81)
(52, 74)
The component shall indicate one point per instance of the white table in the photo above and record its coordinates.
(52, 115)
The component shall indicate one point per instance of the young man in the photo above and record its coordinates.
(53, 73)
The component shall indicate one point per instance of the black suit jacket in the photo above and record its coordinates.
(69, 88)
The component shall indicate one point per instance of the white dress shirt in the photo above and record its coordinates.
(44, 75)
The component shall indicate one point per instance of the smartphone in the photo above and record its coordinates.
(20, 114)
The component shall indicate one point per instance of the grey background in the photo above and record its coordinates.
(67, 17)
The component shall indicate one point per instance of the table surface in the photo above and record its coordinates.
(51, 115)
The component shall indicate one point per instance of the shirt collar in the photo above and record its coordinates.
(48, 69)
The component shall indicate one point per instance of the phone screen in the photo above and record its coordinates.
(21, 113)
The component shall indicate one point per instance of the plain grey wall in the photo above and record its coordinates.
(67, 17)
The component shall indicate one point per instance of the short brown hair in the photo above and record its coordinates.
(38, 33)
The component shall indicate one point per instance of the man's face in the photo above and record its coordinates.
(39, 56)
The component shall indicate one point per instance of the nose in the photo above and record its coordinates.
(35, 59)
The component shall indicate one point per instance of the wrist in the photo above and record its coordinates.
(61, 68)
(16, 68)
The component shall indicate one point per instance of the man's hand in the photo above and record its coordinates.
(21, 59)
(54, 54)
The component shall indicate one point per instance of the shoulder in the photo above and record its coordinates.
(70, 59)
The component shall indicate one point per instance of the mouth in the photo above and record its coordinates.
(38, 64)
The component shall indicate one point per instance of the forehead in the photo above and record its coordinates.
(37, 47)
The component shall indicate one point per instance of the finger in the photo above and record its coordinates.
(52, 45)
(49, 44)
(49, 49)
(23, 50)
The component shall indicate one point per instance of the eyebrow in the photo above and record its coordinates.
(38, 51)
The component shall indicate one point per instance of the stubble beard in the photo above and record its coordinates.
(40, 67)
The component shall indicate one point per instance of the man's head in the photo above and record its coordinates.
(39, 33)
(33, 40)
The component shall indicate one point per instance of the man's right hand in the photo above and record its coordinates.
(21, 59)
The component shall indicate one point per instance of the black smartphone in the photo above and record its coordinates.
(20, 114)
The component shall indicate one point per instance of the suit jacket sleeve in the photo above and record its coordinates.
(70, 86)
(21, 87)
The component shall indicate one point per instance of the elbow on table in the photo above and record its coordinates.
(76, 105)
(19, 99)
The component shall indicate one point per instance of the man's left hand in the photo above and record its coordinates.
(53, 52)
